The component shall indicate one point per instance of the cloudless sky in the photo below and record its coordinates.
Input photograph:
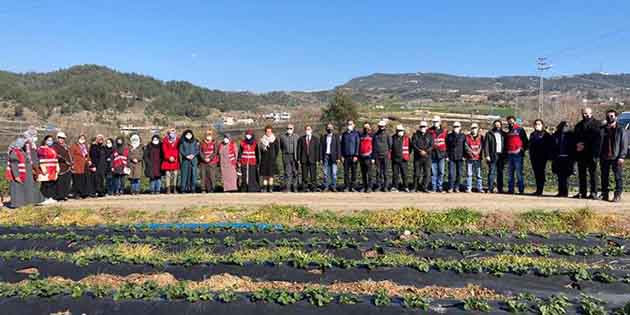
(312, 45)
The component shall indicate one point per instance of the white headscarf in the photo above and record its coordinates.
(135, 141)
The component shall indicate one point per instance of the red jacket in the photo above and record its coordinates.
(170, 150)
(513, 142)
(209, 150)
(119, 161)
(48, 160)
(248, 153)
(473, 147)
(439, 140)
(21, 167)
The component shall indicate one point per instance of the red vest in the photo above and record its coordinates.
(513, 142)
(405, 148)
(206, 150)
(21, 167)
(365, 146)
(231, 151)
(439, 140)
(120, 160)
(48, 160)
(248, 156)
(475, 147)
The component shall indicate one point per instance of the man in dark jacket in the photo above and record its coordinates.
(613, 148)
(516, 143)
(329, 145)
(455, 148)
(366, 157)
(308, 155)
(350, 155)
(400, 156)
(422, 144)
(494, 151)
(587, 135)
(382, 149)
(288, 146)
(438, 154)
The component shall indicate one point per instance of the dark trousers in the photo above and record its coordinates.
(539, 166)
(62, 188)
(80, 186)
(349, 172)
(207, 173)
(421, 173)
(399, 171)
(454, 174)
(606, 166)
(290, 170)
(381, 172)
(495, 174)
(49, 189)
(309, 175)
(587, 167)
(366, 176)
(99, 183)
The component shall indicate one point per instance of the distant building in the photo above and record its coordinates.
(245, 121)
(228, 121)
(283, 116)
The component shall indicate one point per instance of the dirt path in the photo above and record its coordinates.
(348, 201)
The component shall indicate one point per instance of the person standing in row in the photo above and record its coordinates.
(350, 156)
(422, 144)
(15, 173)
(493, 151)
(153, 158)
(540, 142)
(170, 164)
(562, 153)
(330, 157)
(382, 146)
(248, 158)
(474, 143)
(80, 168)
(188, 154)
(288, 146)
(269, 149)
(136, 163)
(98, 156)
(516, 143)
(399, 158)
(49, 166)
(366, 157)
(587, 134)
(120, 165)
(455, 148)
(308, 156)
(33, 194)
(109, 173)
(438, 154)
(64, 180)
(613, 149)
(208, 162)
(228, 153)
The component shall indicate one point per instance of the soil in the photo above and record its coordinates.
(343, 202)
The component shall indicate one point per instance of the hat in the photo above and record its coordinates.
(436, 119)
(382, 123)
(474, 125)
(457, 124)
(423, 124)
(400, 127)
(61, 134)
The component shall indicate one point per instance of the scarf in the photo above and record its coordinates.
(84, 150)
(267, 140)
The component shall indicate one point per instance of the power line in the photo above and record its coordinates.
(542, 67)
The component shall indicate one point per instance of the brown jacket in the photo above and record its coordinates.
(79, 162)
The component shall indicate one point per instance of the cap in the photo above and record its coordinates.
(382, 123)
(474, 125)
(423, 124)
(436, 118)
(400, 127)
(61, 134)
(457, 124)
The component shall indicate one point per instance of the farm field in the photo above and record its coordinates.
(274, 259)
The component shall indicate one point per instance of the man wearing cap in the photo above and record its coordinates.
(382, 146)
(494, 153)
(438, 154)
(422, 144)
(474, 143)
(288, 146)
(516, 143)
(455, 148)
(64, 179)
(400, 156)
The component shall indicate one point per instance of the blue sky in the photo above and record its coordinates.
(311, 45)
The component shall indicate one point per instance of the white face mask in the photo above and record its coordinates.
(538, 127)
(350, 127)
(81, 141)
(309, 132)
(109, 145)
(456, 129)
(155, 141)
(34, 140)
(473, 131)
(400, 133)
(436, 124)
(289, 131)
(248, 137)
(226, 140)
(209, 138)
(188, 136)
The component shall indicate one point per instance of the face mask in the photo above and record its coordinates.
(423, 129)
(119, 142)
(400, 133)
(248, 137)
(155, 141)
(610, 119)
(209, 138)
(436, 124)
(381, 128)
(456, 129)
(109, 145)
(329, 130)
(188, 136)
(34, 140)
(171, 135)
(49, 142)
(565, 129)
(81, 141)
(511, 125)
(226, 140)
(289, 131)
(309, 132)
(586, 116)
(350, 127)
(538, 128)
(474, 131)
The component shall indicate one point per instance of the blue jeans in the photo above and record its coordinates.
(515, 164)
(437, 174)
(454, 174)
(109, 183)
(155, 185)
(330, 172)
(135, 185)
(473, 168)
(118, 184)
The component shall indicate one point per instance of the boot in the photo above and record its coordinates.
(605, 196)
(617, 197)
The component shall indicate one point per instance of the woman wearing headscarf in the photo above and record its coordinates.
(64, 179)
(15, 173)
(33, 195)
(109, 174)
(248, 157)
(170, 164)
(152, 164)
(208, 161)
(228, 152)
(80, 165)
(269, 149)
(189, 152)
(99, 166)
(120, 165)
(49, 167)
(563, 157)
(136, 163)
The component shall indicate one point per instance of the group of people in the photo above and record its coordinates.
(54, 170)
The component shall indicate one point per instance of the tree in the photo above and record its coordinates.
(340, 109)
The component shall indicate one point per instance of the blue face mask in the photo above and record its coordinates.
(49, 142)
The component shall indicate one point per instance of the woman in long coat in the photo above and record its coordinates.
(188, 154)
(228, 152)
(563, 157)
(109, 172)
(80, 164)
(269, 148)
(34, 196)
(136, 163)
(248, 158)
(153, 158)
(16, 173)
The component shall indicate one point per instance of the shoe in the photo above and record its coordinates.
(406, 190)
(593, 197)
(48, 201)
(369, 190)
(394, 189)
(578, 196)
(333, 189)
(605, 197)
(617, 197)
(354, 190)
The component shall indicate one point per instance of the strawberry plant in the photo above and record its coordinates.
(516, 306)
(381, 298)
(226, 296)
(347, 298)
(411, 300)
(476, 304)
(592, 306)
(556, 305)
(318, 296)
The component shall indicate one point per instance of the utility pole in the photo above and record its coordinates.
(542, 67)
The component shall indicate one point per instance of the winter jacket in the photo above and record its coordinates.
(422, 143)
(563, 153)
(308, 153)
(137, 168)
(587, 131)
(474, 147)
(288, 144)
(366, 146)
(439, 143)
(153, 160)
(400, 148)
(189, 147)
(490, 146)
(350, 144)
(335, 147)
(382, 144)
(455, 146)
(98, 156)
(64, 158)
(516, 141)
(79, 161)
(540, 143)
(613, 140)
(170, 150)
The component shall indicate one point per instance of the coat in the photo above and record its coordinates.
(99, 158)
(490, 146)
(64, 157)
(455, 146)
(587, 131)
(563, 153)
(619, 144)
(153, 160)
(422, 143)
(349, 144)
(137, 168)
(335, 147)
(308, 153)
(540, 143)
(382, 144)
(80, 162)
(170, 150)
